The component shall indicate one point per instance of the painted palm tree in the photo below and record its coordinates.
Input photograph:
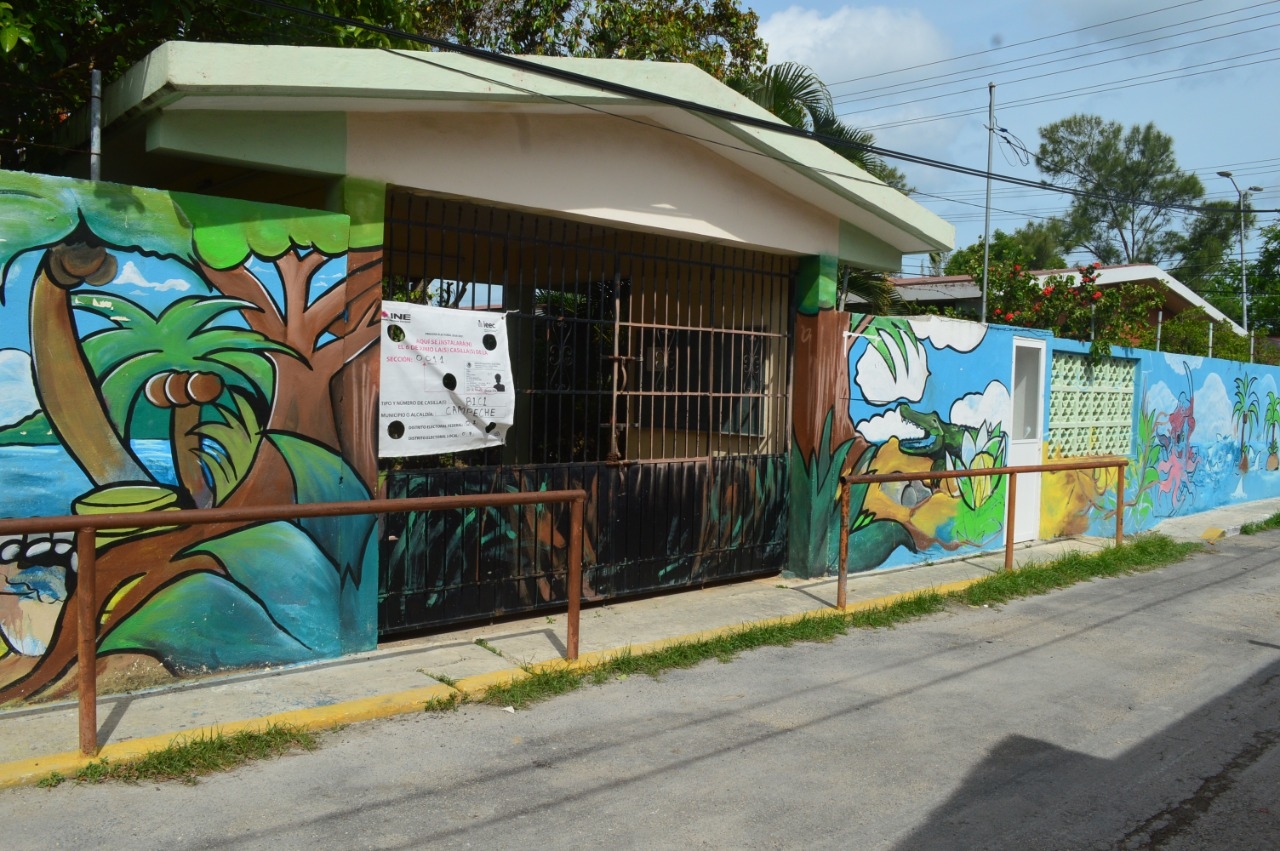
(1271, 421)
(1245, 412)
(180, 362)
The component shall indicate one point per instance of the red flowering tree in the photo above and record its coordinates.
(1075, 309)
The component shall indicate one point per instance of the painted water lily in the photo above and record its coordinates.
(980, 449)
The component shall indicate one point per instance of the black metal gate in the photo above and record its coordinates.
(651, 372)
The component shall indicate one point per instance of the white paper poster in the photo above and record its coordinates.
(446, 380)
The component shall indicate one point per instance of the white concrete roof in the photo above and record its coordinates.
(196, 76)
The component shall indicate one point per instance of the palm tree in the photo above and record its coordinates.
(1245, 412)
(179, 363)
(794, 93)
(1271, 420)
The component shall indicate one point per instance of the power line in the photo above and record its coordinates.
(1093, 89)
(1016, 44)
(985, 72)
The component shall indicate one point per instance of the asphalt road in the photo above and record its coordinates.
(1139, 712)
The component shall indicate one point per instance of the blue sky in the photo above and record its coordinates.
(1214, 67)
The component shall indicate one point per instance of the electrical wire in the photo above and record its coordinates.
(1091, 49)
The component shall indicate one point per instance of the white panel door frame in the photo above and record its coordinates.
(1026, 431)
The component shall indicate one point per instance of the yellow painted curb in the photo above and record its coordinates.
(1213, 533)
(32, 770)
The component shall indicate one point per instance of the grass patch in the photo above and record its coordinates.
(541, 684)
(1144, 553)
(1272, 522)
(188, 759)
(443, 704)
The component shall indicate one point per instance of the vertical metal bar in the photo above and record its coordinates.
(574, 592)
(842, 585)
(87, 644)
(1009, 519)
(1120, 504)
(95, 125)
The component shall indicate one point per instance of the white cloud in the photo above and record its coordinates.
(1160, 399)
(852, 42)
(881, 427)
(989, 406)
(946, 333)
(130, 274)
(1175, 361)
(1213, 410)
(17, 393)
(904, 378)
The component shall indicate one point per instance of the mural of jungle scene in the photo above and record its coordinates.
(168, 351)
(1206, 433)
(911, 395)
(648, 527)
(911, 414)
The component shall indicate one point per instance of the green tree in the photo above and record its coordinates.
(794, 93)
(1118, 168)
(1032, 246)
(48, 48)
(719, 36)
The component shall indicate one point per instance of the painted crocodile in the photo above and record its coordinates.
(940, 438)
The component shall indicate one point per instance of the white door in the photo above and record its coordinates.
(1026, 438)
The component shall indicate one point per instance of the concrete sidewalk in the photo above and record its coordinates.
(401, 676)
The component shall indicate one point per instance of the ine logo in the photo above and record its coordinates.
(488, 326)
(398, 317)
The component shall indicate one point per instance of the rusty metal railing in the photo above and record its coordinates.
(1011, 499)
(86, 526)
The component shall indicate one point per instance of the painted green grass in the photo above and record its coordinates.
(190, 758)
(1272, 522)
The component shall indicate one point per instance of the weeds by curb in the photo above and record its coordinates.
(189, 758)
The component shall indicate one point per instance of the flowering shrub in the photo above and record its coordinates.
(1075, 310)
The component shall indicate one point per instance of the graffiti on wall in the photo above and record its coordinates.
(171, 351)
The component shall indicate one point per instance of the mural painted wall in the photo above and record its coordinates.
(1205, 433)
(163, 351)
(929, 393)
(903, 395)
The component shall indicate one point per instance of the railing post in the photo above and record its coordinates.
(576, 512)
(1010, 516)
(87, 643)
(842, 584)
(1120, 504)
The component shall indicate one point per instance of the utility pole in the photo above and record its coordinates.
(95, 125)
(986, 228)
(1242, 194)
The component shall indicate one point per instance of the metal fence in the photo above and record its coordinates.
(651, 372)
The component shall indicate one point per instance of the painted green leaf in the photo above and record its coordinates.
(228, 230)
(205, 622)
(282, 567)
(321, 475)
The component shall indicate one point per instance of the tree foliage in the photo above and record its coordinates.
(1118, 168)
(718, 36)
(1032, 246)
(56, 43)
(48, 47)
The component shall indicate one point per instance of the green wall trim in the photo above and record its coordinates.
(306, 142)
(816, 284)
(365, 201)
(865, 251)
